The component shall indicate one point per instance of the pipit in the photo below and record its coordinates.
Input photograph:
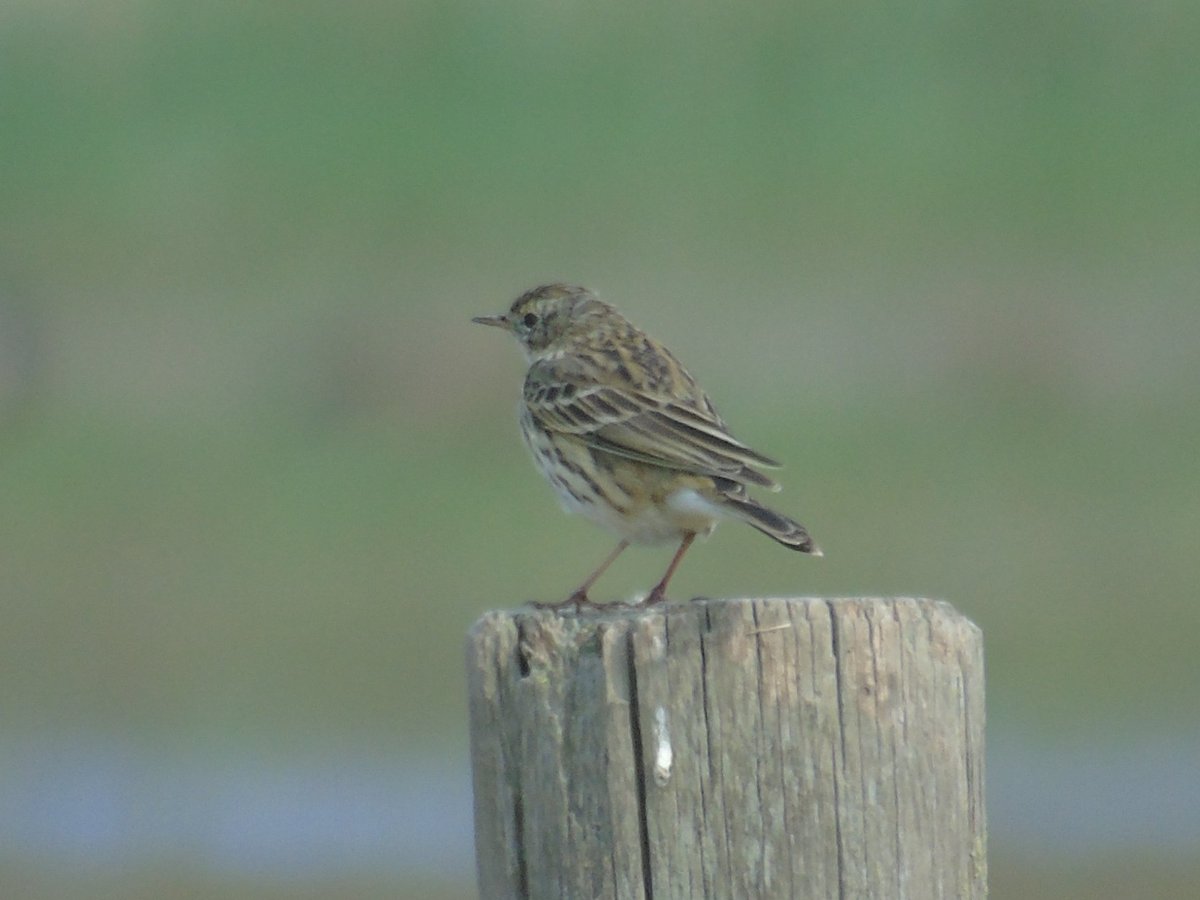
(626, 436)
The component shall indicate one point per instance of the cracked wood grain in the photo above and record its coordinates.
(772, 748)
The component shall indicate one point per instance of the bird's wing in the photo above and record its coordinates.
(563, 395)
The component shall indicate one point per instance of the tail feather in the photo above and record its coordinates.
(787, 531)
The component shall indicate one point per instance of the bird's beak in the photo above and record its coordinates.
(496, 321)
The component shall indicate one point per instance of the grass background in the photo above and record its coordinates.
(258, 473)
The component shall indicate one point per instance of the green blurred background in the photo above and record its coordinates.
(259, 473)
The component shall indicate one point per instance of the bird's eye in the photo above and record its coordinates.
(530, 320)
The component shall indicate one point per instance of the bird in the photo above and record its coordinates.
(626, 436)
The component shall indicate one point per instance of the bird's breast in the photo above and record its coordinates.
(642, 503)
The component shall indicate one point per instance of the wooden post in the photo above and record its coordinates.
(777, 748)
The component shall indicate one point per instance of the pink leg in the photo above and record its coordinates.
(659, 593)
(580, 597)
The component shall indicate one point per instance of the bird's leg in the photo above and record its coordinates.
(659, 592)
(580, 597)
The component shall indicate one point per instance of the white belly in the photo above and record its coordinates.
(684, 511)
(635, 516)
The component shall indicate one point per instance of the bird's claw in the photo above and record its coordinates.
(578, 600)
(656, 596)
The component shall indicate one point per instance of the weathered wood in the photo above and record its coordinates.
(776, 748)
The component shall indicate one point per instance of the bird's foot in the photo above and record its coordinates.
(657, 595)
(578, 600)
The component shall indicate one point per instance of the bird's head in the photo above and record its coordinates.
(544, 316)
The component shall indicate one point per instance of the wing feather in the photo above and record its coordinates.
(686, 434)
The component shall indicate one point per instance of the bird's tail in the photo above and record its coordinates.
(787, 531)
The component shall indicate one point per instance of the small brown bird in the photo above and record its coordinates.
(626, 436)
